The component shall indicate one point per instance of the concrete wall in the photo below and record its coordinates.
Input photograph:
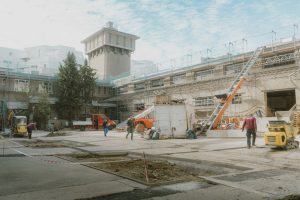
(117, 64)
(98, 63)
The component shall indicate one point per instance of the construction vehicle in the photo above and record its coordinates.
(225, 99)
(143, 123)
(19, 126)
(141, 120)
(95, 122)
(98, 119)
(281, 134)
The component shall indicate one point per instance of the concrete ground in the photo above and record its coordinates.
(256, 173)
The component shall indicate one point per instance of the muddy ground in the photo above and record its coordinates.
(158, 171)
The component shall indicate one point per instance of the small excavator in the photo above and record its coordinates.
(281, 134)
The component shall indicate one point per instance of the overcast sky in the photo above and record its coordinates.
(167, 28)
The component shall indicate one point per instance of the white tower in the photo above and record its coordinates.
(109, 51)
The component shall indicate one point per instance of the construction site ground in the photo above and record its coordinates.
(87, 165)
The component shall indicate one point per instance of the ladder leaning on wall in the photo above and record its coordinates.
(216, 117)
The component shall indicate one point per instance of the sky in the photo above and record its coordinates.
(168, 29)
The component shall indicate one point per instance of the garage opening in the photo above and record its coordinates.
(280, 101)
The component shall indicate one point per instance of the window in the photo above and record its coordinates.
(233, 69)
(237, 99)
(124, 41)
(111, 91)
(139, 86)
(284, 59)
(139, 106)
(89, 45)
(100, 40)
(123, 89)
(48, 87)
(21, 85)
(110, 38)
(131, 43)
(157, 83)
(204, 101)
(45, 87)
(93, 43)
(122, 108)
(204, 75)
(178, 79)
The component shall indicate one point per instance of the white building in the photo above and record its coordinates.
(10, 58)
(40, 59)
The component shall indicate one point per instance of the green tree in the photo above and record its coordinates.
(42, 111)
(87, 83)
(68, 85)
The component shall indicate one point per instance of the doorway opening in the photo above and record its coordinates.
(280, 101)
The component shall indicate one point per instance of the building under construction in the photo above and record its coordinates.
(272, 84)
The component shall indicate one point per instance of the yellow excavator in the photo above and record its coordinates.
(281, 134)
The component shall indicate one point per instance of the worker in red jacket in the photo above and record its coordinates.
(30, 127)
(251, 127)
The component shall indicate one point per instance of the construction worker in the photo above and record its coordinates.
(130, 127)
(105, 127)
(251, 127)
(96, 124)
(30, 127)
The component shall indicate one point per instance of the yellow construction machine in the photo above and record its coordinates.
(281, 134)
(19, 126)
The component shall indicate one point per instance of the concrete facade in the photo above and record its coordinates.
(109, 52)
(272, 84)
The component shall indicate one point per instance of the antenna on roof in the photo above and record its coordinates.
(110, 25)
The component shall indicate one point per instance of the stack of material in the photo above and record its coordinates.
(296, 121)
(162, 99)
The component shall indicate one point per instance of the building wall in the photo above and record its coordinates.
(98, 62)
(198, 85)
(118, 63)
